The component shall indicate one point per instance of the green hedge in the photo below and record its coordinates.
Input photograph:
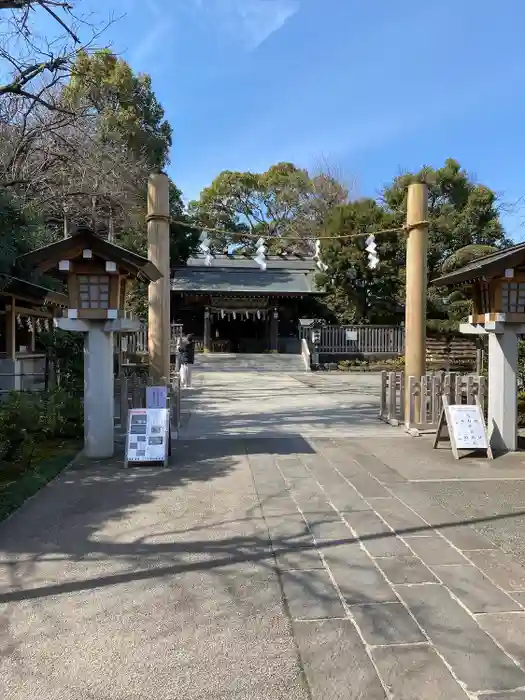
(29, 419)
(18, 487)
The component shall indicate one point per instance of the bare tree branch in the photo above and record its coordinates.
(30, 57)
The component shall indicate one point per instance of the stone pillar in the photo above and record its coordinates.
(207, 330)
(274, 330)
(98, 392)
(502, 399)
(159, 292)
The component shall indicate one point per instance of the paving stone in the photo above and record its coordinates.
(292, 468)
(375, 536)
(316, 505)
(519, 596)
(335, 662)
(416, 673)
(304, 557)
(348, 467)
(278, 505)
(474, 589)
(368, 487)
(311, 595)
(386, 623)
(377, 468)
(436, 515)
(519, 695)
(405, 570)
(435, 551)
(328, 531)
(473, 656)
(398, 516)
(266, 491)
(500, 568)
(356, 575)
(286, 528)
(466, 538)
(305, 485)
(422, 502)
(345, 499)
(509, 630)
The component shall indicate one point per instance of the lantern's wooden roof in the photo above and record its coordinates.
(48, 256)
(28, 290)
(492, 265)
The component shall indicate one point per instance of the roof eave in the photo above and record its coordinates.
(39, 293)
(134, 263)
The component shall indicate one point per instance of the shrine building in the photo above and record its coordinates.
(233, 305)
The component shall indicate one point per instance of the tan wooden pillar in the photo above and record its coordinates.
(274, 330)
(416, 289)
(207, 330)
(158, 220)
(10, 330)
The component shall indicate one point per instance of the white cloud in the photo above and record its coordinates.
(249, 22)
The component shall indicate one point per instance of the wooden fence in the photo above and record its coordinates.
(445, 353)
(347, 340)
(130, 392)
(427, 392)
(137, 343)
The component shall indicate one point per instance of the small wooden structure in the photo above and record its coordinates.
(26, 310)
(496, 285)
(96, 272)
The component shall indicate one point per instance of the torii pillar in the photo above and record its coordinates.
(158, 220)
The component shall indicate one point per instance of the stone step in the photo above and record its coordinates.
(245, 362)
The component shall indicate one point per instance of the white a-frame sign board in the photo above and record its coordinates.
(466, 427)
(148, 435)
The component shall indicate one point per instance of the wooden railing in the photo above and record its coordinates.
(345, 340)
(426, 391)
(137, 343)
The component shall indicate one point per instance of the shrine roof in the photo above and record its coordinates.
(488, 266)
(36, 293)
(239, 274)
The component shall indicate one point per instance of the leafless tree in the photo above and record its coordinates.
(57, 163)
(36, 61)
(325, 192)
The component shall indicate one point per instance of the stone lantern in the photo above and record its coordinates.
(496, 285)
(96, 273)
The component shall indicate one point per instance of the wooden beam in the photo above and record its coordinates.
(29, 312)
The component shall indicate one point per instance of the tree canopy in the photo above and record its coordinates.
(283, 201)
(80, 151)
(124, 102)
(463, 222)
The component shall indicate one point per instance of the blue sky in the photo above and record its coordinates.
(369, 87)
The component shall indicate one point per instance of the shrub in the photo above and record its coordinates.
(27, 419)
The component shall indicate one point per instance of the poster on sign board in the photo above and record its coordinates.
(148, 435)
(156, 397)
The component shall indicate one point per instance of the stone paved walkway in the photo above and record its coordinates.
(233, 397)
(297, 567)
